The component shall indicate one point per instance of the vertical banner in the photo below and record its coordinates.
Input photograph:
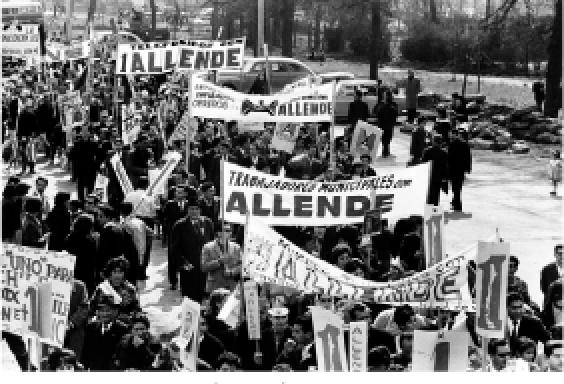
(492, 262)
(358, 346)
(121, 175)
(329, 341)
(433, 234)
(440, 351)
(250, 291)
(189, 336)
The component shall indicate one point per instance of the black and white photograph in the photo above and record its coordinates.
(281, 189)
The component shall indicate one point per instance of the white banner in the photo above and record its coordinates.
(36, 288)
(250, 126)
(329, 339)
(358, 346)
(303, 105)
(121, 175)
(270, 258)
(433, 235)
(366, 140)
(155, 58)
(285, 137)
(282, 201)
(188, 338)
(157, 184)
(250, 290)
(231, 310)
(22, 41)
(440, 351)
(492, 264)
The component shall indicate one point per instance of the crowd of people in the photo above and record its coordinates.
(112, 237)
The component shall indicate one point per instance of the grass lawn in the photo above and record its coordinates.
(513, 92)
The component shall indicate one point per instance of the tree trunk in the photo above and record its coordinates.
(287, 16)
(433, 12)
(215, 20)
(309, 34)
(317, 36)
(242, 25)
(153, 18)
(554, 68)
(228, 32)
(488, 8)
(375, 39)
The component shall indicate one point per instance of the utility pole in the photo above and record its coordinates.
(260, 25)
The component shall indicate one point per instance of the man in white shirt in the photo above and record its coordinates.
(144, 208)
(41, 184)
(140, 233)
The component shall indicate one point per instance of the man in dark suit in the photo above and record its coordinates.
(210, 347)
(519, 324)
(273, 339)
(552, 271)
(253, 159)
(103, 333)
(459, 163)
(174, 210)
(187, 239)
(439, 169)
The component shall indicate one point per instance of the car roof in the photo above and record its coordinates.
(277, 58)
(336, 74)
(358, 82)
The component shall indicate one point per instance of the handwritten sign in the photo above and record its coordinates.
(250, 290)
(358, 346)
(492, 262)
(188, 338)
(36, 288)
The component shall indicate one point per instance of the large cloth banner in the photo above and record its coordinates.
(329, 339)
(492, 263)
(281, 201)
(303, 105)
(155, 58)
(270, 258)
(36, 288)
(22, 42)
(188, 339)
(358, 346)
(440, 351)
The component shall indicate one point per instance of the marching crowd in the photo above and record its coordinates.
(113, 236)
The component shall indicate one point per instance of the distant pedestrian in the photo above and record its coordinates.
(555, 171)
(412, 89)
(439, 166)
(459, 163)
(538, 92)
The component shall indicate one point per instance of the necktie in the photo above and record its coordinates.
(514, 332)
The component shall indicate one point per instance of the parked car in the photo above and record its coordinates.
(345, 95)
(283, 71)
(338, 76)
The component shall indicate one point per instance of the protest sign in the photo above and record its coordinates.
(250, 126)
(155, 58)
(358, 346)
(36, 287)
(131, 124)
(121, 175)
(231, 310)
(270, 258)
(329, 339)
(283, 201)
(22, 41)
(188, 338)
(365, 140)
(492, 263)
(285, 136)
(186, 124)
(9, 362)
(156, 185)
(433, 234)
(303, 105)
(250, 291)
(440, 351)
(101, 187)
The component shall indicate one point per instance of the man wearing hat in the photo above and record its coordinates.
(439, 169)
(59, 221)
(32, 230)
(187, 239)
(459, 163)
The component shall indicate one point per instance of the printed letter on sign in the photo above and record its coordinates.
(491, 288)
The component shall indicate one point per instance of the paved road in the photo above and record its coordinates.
(498, 194)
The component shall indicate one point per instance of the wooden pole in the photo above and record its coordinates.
(265, 49)
(332, 154)
(189, 112)
(260, 27)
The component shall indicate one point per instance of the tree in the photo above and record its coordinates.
(287, 16)
(376, 38)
